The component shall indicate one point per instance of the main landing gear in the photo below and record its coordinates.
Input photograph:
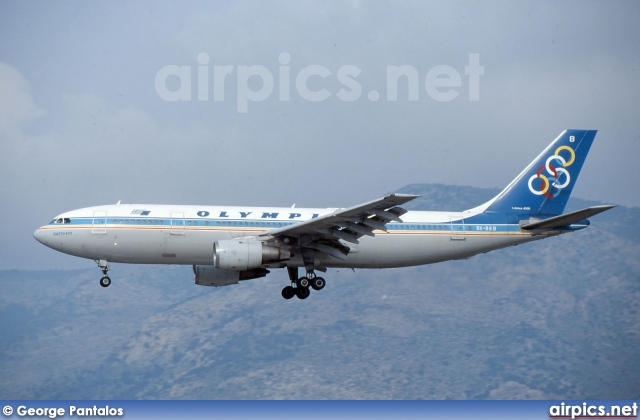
(105, 281)
(300, 285)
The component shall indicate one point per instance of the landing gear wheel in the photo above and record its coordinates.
(105, 281)
(303, 282)
(302, 292)
(288, 292)
(318, 283)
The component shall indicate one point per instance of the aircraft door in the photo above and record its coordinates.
(457, 230)
(99, 223)
(177, 223)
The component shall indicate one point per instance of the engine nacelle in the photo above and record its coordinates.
(208, 275)
(243, 254)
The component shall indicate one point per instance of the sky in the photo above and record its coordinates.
(321, 104)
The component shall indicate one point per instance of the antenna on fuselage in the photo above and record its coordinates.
(118, 203)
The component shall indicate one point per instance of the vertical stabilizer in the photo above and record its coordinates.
(544, 187)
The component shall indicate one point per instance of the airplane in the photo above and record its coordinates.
(228, 244)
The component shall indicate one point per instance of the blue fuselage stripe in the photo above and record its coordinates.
(474, 224)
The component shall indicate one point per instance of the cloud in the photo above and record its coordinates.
(16, 103)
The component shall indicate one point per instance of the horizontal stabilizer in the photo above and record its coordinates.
(564, 219)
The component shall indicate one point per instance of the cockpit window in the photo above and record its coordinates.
(61, 220)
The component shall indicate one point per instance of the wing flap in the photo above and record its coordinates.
(340, 234)
(388, 215)
(329, 250)
(359, 229)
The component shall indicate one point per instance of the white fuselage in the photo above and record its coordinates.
(159, 234)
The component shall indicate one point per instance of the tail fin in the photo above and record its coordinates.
(544, 187)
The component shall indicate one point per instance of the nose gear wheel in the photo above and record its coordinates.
(105, 281)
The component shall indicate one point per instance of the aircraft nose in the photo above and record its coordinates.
(39, 235)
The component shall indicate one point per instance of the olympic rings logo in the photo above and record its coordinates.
(550, 185)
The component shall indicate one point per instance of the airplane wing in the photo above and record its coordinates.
(564, 219)
(323, 233)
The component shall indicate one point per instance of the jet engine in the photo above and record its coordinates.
(243, 254)
(208, 275)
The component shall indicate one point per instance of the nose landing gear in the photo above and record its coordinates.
(105, 281)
